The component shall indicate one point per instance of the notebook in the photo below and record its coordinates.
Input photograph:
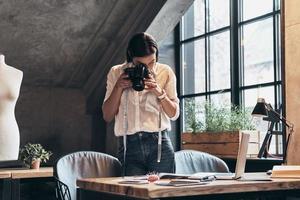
(240, 161)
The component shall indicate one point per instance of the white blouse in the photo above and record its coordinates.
(143, 107)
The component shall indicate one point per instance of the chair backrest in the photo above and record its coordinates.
(85, 164)
(190, 162)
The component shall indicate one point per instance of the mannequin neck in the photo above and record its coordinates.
(2, 59)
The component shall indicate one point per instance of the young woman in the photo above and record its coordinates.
(142, 117)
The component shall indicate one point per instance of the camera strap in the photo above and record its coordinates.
(159, 143)
(125, 126)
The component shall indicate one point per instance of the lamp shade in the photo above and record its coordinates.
(260, 109)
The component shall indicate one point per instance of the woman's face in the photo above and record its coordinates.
(149, 60)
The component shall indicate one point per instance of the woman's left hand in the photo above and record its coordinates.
(152, 85)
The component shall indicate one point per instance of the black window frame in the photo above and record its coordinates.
(236, 60)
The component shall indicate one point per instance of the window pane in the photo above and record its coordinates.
(255, 8)
(218, 14)
(277, 4)
(193, 67)
(193, 21)
(250, 100)
(220, 61)
(251, 95)
(222, 99)
(258, 52)
(278, 48)
(193, 113)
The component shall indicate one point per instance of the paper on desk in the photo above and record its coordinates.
(201, 175)
(134, 180)
(137, 182)
(180, 182)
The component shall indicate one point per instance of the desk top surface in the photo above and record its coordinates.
(18, 173)
(148, 191)
(5, 174)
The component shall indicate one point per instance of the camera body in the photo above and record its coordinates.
(137, 74)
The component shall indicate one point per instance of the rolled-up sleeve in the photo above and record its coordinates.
(171, 91)
(110, 83)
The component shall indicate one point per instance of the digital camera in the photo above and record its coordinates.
(137, 74)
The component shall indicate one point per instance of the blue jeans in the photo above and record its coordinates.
(141, 154)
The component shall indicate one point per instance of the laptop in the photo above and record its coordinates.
(240, 161)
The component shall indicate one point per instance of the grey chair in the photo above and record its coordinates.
(84, 164)
(190, 162)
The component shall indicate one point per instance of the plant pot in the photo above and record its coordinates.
(35, 164)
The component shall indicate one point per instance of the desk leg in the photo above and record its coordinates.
(15, 189)
(6, 193)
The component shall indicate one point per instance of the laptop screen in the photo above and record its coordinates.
(242, 154)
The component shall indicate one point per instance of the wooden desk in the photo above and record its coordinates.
(5, 174)
(16, 174)
(151, 191)
(31, 173)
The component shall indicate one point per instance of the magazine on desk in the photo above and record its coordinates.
(196, 176)
(180, 182)
(176, 179)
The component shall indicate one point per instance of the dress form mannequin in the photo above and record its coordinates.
(10, 83)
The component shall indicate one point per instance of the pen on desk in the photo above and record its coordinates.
(208, 178)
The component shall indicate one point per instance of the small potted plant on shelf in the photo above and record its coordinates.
(34, 154)
(217, 129)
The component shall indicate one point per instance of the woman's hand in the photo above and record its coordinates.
(168, 105)
(111, 106)
(123, 82)
(152, 85)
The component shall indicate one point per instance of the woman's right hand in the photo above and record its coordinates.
(123, 82)
(111, 105)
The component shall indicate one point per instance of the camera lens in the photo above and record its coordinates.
(137, 74)
(138, 84)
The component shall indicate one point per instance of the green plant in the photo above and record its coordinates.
(208, 117)
(32, 152)
(191, 114)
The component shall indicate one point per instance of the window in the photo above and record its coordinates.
(230, 51)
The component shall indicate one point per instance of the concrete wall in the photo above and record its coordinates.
(54, 117)
(292, 74)
(65, 49)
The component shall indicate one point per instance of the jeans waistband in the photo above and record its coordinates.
(147, 134)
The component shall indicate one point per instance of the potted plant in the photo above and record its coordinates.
(217, 129)
(34, 154)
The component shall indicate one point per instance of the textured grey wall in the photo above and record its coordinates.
(54, 117)
(65, 49)
(48, 39)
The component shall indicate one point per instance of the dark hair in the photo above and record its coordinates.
(141, 44)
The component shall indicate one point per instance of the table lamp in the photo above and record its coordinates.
(263, 109)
